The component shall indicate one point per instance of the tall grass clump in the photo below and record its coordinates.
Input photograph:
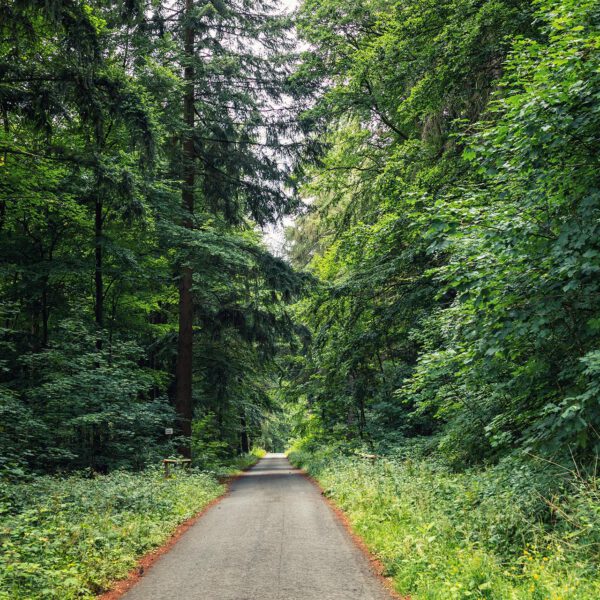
(494, 533)
(67, 538)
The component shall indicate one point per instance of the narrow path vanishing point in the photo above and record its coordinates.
(272, 538)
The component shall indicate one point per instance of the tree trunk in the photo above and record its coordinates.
(98, 278)
(245, 442)
(45, 313)
(183, 400)
(4, 161)
(362, 421)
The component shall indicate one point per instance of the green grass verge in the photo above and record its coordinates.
(67, 538)
(243, 461)
(486, 534)
(70, 537)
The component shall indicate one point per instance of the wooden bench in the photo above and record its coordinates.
(371, 457)
(167, 462)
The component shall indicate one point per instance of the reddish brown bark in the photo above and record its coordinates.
(183, 400)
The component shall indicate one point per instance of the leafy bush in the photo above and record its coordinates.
(494, 534)
(519, 358)
(84, 408)
(70, 537)
(244, 461)
(209, 451)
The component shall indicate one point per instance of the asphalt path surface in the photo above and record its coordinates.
(272, 538)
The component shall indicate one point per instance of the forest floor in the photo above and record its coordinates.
(272, 537)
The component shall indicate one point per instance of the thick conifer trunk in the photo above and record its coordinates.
(183, 400)
(98, 275)
(4, 161)
(244, 439)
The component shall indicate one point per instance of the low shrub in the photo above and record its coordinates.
(67, 538)
(244, 461)
(496, 533)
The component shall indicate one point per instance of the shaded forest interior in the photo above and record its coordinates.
(437, 302)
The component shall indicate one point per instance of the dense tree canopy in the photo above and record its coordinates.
(453, 222)
(427, 342)
(95, 235)
(440, 158)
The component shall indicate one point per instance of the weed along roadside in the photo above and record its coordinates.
(144, 563)
(480, 535)
(74, 537)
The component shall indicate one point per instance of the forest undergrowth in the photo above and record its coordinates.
(524, 531)
(72, 537)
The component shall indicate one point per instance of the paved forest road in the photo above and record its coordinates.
(272, 538)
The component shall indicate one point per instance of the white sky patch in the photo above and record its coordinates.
(290, 5)
(273, 235)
